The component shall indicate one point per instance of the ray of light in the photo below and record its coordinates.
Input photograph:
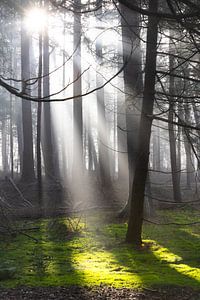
(35, 19)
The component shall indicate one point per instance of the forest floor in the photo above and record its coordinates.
(101, 293)
(85, 257)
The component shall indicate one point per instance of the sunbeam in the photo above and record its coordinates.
(35, 19)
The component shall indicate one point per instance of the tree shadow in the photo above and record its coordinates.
(152, 269)
(160, 263)
(56, 259)
(59, 247)
(182, 241)
(48, 262)
(172, 261)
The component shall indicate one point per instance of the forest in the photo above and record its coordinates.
(100, 149)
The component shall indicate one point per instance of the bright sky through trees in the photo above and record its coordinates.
(35, 19)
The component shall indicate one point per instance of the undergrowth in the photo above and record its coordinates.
(93, 252)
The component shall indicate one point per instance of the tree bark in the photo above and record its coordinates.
(77, 103)
(197, 121)
(11, 137)
(28, 161)
(156, 147)
(39, 114)
(135, 221)
(188, 149)
(47, 142)
(104, 161)
(4, 145)
(18, 120)
(172, 138)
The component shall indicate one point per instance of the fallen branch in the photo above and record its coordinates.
(19, 192)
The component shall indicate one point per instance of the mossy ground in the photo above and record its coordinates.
(98, 255)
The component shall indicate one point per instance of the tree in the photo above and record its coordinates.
(132, 87)
(187, 141)
(141, 169)
(39, 115)
(102, 126)
(28, 161)
(172, 139)
(77, 90)
(156, 147)
(47, 134)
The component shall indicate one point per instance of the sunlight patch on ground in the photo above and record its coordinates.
(96, 254)
(175, 262)
(193, 273)
(165, 255)
(101, 267)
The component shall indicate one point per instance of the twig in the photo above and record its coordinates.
(27, 235)
(19, 192)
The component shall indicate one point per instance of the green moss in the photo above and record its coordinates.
(98, 255)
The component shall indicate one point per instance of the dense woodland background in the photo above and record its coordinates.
(99, 106)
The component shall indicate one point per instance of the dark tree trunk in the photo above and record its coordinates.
(156, 147)
(11, 137)
(4, 145)
(179, 147)
(13, 65)
(121, 141)
(77, 103)
(47, 142)
(28, 161)
(188, 149)
(135, 221)
(148, 203)
(39, 113)
(172, 138)
(197, 121)
(104, 161)
(19, 137)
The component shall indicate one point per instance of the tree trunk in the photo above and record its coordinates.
(47, 142)
(156, 147)
(196, 113)
(11, 137)
(77, 103)
(188, 148)
(19, 136)
(28, 161)
(4, 146)
(179, 147)
(134, 230)
(104, 161)
(121, 140)
(172, 139)
(39, 113)
(13, 65)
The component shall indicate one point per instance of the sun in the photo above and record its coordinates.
(35, 19)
